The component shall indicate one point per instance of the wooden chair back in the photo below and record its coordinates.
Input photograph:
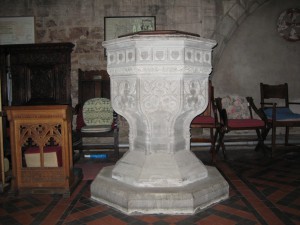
(93, 84)
(270, 92)
(208, 119)
(209, 110)
(278, 113)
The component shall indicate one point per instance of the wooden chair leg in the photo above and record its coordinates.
(116, 145)
(264, 134)
(273, 140)
(223, 148)
(261, 141)
(221, 143)
(213, 138)
(287, 132)
(218, 144)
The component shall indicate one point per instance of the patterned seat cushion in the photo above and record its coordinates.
(236, 107)
(98, 112)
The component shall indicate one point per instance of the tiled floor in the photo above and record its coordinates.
(262, 191)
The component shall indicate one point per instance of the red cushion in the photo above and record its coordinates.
(203, 120)
(240, 123)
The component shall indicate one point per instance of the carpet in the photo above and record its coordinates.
(91, 168)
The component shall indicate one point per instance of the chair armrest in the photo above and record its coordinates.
(294, 103)
(115, 124)
(224, 118)
(222, 113)
(253, 107)
(218, 102)
(215, 111)
(266, 103)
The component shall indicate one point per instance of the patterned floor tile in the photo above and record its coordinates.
(262, 191)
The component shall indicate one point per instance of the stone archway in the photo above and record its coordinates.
(227, 24)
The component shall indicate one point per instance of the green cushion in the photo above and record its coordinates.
(97, 111)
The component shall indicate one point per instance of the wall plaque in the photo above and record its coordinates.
(17, 30)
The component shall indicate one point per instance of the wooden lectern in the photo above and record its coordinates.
(41, 145)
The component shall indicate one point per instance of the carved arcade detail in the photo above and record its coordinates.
(40, 74)
(41, 148)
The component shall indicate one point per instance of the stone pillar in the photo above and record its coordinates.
(159, 83)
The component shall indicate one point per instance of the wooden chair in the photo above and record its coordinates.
(236, 114)
(208, 120)
(94, 90)
(276, 106)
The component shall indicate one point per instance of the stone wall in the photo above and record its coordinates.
(82, 22)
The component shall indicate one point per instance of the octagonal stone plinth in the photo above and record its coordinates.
(159, 83)
(132, 200)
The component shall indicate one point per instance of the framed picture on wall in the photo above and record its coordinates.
(17, 30)
(118, 26)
